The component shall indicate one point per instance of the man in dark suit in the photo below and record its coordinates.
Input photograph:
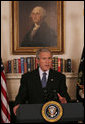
(42, 84)
(40, 34)
(80, 85)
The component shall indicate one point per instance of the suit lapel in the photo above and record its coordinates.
(50, 78)
(38, 81)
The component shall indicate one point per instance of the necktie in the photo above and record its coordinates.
(44, 80)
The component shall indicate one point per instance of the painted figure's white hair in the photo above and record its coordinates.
(40, 10)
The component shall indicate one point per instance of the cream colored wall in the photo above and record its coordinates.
(74, 32)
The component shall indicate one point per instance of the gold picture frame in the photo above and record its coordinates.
(21, 22)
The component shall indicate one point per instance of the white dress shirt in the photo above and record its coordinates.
(36, 27)
(41, 73)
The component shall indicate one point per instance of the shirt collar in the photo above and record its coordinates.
(40, 70)
(41, 73)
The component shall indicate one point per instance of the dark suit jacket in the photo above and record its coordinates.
(81, 79)
(31, 89)
(44, 37)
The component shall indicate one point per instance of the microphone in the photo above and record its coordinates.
(55, 96)
(45, 95)
(50, 95)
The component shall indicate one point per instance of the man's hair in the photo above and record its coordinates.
(42, 50)
(41, 10)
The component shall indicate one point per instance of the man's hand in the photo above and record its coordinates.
(62, 99)
(82, 87)
(15, 108)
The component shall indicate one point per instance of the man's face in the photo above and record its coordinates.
(45, 61)
(36, 17)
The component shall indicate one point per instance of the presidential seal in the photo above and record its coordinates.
(52, 111)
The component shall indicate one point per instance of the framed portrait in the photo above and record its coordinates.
(37, 24)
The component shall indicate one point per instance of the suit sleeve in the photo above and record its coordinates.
(22, 93)
(63, 89)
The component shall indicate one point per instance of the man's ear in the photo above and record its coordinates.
(37, 61)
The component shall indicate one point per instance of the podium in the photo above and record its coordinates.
(28, 113)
